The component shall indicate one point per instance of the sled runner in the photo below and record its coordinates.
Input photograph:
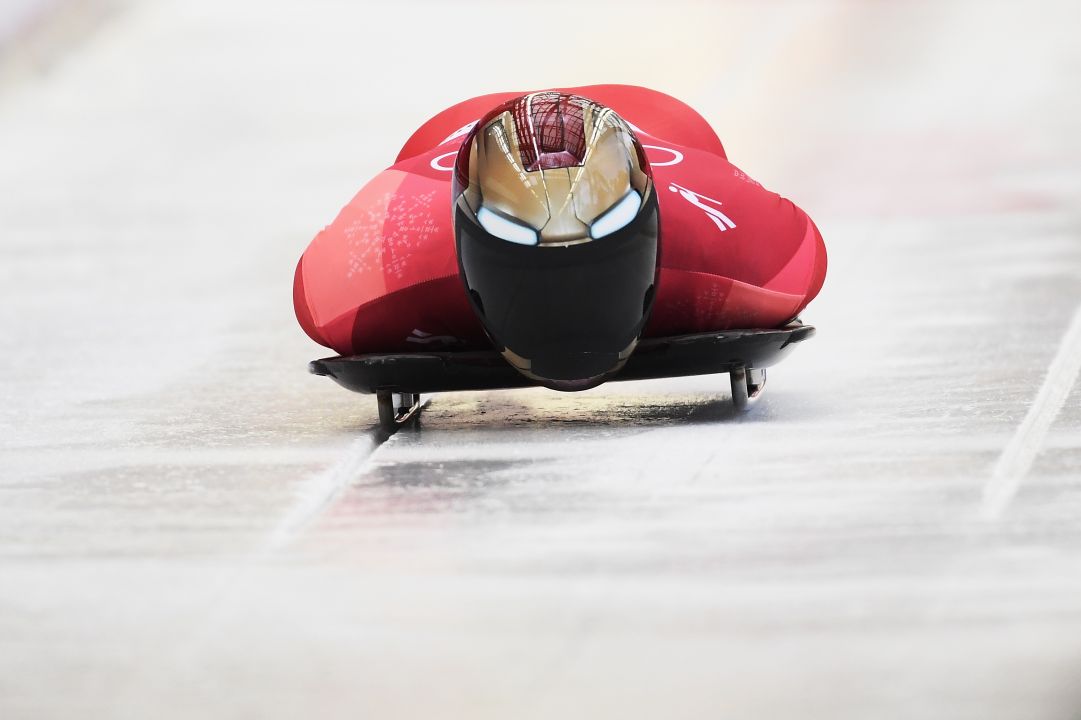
(398, 379)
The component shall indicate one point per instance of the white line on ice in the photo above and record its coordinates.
(1021, 451)
(315, 495)
(321, 489)
(318, 491)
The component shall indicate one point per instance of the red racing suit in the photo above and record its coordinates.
(383, 277)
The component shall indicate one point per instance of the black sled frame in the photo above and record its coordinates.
(398, 379)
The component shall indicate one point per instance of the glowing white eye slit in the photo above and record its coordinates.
(617, 216)
(505, 229)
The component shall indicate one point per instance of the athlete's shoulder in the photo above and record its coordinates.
(451, 123)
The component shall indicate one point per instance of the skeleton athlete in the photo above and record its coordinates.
(570, 218)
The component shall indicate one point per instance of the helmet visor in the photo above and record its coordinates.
(567, 315)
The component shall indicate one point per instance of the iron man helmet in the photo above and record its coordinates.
(557, 235)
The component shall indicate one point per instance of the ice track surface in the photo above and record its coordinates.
(192, 526)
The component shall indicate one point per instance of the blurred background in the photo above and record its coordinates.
(190, 525)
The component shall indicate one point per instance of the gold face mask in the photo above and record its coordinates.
(552, 169)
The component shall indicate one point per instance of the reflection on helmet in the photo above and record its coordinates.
(554, 164)
(557, 235)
